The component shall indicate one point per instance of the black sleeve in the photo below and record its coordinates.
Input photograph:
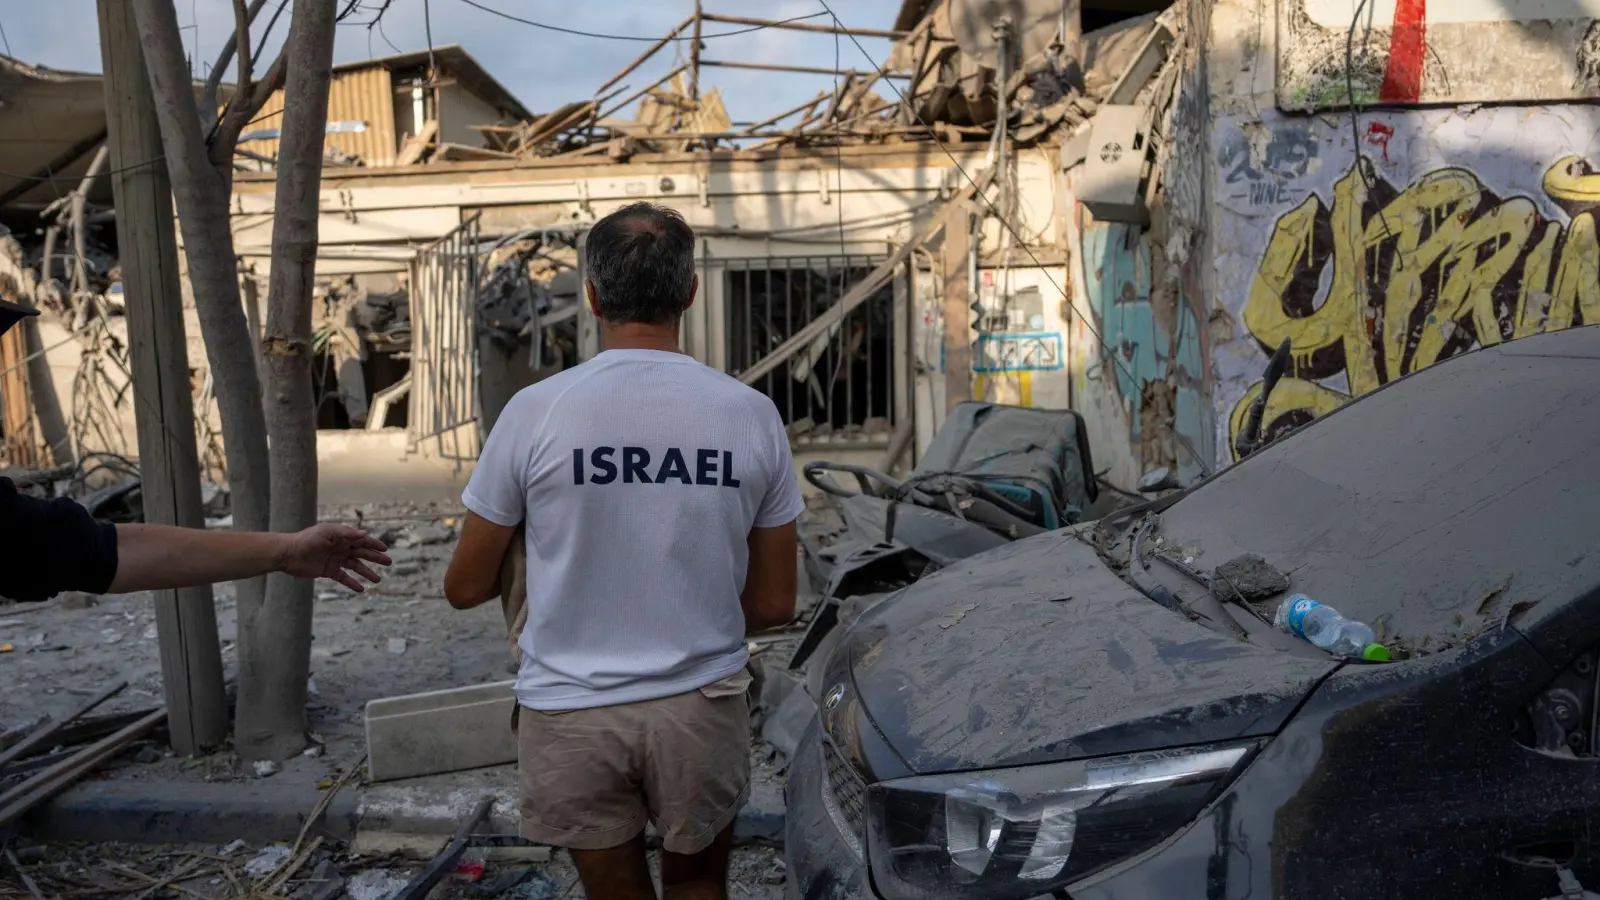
(49, 546)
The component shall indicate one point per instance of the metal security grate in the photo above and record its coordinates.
(444, 345)
(844, 796)
(841, 387)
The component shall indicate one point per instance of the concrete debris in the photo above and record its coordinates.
(375, 884)
(1253, 577)
(777, 873)
(267, 861)
(76, 600)
(540, 886)
(265, 768)
(397, 645)
(499, 884)
(423, 535)
(325, 883)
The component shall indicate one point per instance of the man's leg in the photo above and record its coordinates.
(698, 876)
(579, 781)
(696, 779)
(620, 873)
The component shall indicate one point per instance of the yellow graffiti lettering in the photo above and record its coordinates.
(1578, 278)
(1291, 396)
(1438, 268)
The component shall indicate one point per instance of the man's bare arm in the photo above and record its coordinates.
(474, 574)
(770, 579)
(156, 557)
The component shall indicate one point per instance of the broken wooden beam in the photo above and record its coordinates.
(861, 290)
(800, 70)
(641, 92)
(417, 144)
(628, 69)
(807, 107)
(419, 887)
(41, 787)
(448, 152)
(805, 26)
(51, 730)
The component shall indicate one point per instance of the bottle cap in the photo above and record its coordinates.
(1375, 653)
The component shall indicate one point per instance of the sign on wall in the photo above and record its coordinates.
(1407, 52)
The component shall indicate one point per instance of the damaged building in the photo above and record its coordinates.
(837, 240)
(1117, 207)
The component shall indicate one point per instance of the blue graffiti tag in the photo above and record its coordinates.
(1018, 353)
(1116, 270)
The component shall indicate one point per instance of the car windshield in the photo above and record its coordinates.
(1458, 499)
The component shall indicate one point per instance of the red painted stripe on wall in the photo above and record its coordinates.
(1408, 45)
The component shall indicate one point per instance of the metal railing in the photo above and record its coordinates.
(841, 387)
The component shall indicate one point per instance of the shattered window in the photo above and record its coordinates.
(841, 385)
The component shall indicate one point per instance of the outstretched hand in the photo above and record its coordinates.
(335, 551)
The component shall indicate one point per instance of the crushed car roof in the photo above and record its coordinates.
(1455, 500)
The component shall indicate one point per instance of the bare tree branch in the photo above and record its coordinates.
(242, 108)
(243, 21)
(271, 24)
(242, 18)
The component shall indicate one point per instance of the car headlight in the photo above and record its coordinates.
(1010, 833)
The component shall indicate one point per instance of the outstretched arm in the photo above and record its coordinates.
(154, 557)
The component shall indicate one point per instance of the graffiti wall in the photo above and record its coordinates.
(1448, 230)
(1151, 361)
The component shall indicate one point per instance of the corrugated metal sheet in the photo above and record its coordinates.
(360, 95)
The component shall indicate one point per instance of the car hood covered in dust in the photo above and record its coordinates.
(1456, 501)
(1038, 652)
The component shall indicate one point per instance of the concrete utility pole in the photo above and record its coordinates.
(186, 620)
(958, 301)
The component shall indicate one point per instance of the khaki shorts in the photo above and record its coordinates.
(589, 779)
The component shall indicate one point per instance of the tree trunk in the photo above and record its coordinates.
(202, 182)
(201, 193)
(272, 708)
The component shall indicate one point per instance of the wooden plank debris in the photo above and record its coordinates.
(417, 144)
(52, 781)
(50, 731)
(423, 883)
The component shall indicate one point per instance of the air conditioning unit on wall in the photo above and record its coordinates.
(1114, 171)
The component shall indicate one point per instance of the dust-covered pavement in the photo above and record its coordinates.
(318, 871)
(400, 637)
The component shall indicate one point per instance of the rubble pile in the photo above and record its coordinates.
(946, 80)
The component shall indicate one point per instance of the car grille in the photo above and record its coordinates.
(844, 795)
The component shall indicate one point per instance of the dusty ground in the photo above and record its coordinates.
(322, 872)
(400, 637)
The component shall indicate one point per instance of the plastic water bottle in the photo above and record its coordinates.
(1322, 626)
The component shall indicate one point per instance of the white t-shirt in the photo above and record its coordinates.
(640, 474)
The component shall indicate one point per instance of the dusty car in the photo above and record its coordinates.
(1102, 711)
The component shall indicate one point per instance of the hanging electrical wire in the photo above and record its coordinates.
(630, 37)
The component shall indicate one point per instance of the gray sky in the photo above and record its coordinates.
(542, 68)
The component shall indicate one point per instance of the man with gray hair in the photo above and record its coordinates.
(658, 498)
